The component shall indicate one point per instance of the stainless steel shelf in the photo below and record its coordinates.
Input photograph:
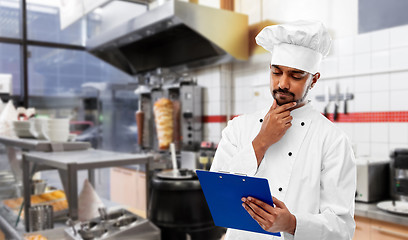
(68, 164)
(43, 145)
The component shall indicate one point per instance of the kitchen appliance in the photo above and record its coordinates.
(399, 174)
(187, 114)
(177, 35)
(178, 207)
(372, 180)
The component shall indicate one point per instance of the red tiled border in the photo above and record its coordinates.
(357, 117)
(215, 119)
(401, 116)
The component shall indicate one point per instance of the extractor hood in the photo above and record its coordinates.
(176, 35)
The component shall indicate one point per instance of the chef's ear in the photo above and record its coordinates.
(315, 77)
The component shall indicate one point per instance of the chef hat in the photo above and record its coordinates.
(301, 44)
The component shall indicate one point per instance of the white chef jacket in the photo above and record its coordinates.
(311, 169)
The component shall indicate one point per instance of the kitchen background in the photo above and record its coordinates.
(62, 78)
(370, 65)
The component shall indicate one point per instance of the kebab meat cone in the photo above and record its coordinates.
(163, 116)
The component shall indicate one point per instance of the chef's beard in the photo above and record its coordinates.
(299, 101)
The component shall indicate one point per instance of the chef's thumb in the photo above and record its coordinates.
(278, 203)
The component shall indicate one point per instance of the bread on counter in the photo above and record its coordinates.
(56, 198)
(35, 237)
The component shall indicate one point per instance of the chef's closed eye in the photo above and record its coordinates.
(298, 74)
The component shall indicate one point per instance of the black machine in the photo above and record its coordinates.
(399, 174)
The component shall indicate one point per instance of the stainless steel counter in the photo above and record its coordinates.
(370, 210)
(68, 164)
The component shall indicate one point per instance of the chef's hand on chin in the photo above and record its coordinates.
(274, 125)
(271, 219)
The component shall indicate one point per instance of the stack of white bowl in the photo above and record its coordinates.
(24, 129)
(39, 125)
(56, 129)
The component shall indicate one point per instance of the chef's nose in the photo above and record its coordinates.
(284, 82)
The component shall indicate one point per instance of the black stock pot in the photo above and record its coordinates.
(178, 207)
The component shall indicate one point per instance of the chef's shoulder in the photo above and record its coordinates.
(330, 133)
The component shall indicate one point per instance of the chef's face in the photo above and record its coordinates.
(290, 84)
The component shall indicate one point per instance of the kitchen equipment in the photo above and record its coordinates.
(398, 207)
(399, 174)
(178, 207)
(188, 160)
(38, 186)
(177, 34)
(140, 123)
(207, 152)
(187, 114)
(327, 102)
(372, 180)
(173, 156)
(191, 116)
(41, 218)
(345, 101)
(145, 128)
(119, 224)
(336, 103)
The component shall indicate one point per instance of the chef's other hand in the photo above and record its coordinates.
(271, 219)
(274, 125)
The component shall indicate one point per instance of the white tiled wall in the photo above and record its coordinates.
(380, 78)
(372, 66)
(215, 95)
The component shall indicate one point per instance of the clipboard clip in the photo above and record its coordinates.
(241, 174)
(223, 172)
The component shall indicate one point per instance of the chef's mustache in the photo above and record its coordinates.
(284, 91)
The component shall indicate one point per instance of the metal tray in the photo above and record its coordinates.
(398, 207)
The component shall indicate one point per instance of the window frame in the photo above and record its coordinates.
(24, 54)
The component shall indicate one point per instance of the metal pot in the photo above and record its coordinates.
(178, 207)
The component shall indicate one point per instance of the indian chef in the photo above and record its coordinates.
(307, 160)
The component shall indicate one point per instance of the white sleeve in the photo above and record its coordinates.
(232, 155)
(337, 195)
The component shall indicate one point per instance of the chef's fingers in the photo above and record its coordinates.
(254, 214)
(288, 125)
(282, 114)
(287, 119)
(261, 204)
(285, 107)
(278, 203)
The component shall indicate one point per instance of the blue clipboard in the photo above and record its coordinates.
(223, 192)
